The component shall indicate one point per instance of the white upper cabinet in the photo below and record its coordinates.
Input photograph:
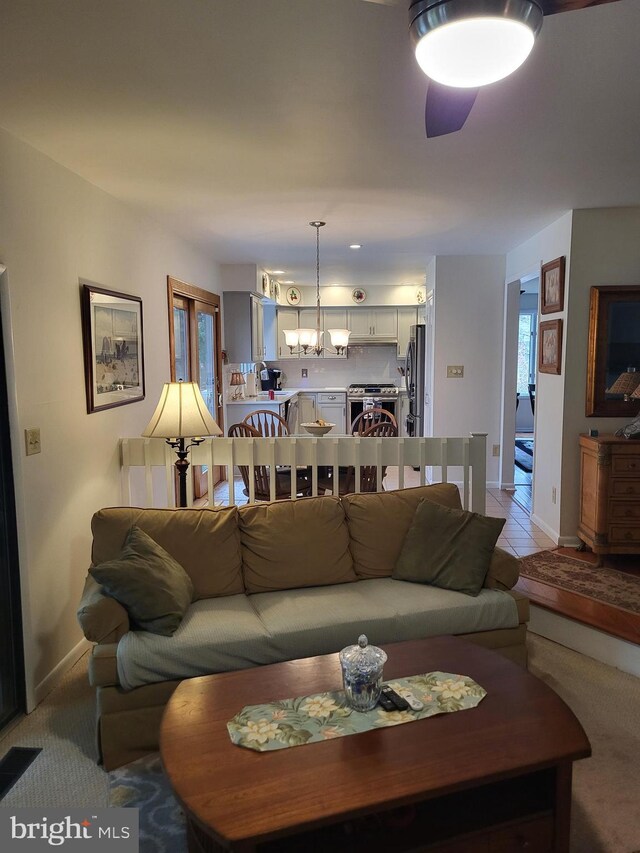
(287, 319)
(333, 318)
(373, 324)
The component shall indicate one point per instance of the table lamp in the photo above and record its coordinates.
(181, 414)
(237, 381)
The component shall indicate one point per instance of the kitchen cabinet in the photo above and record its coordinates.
(373, 324)
(332, 407)
(306, 408)
(407, 317)
(287, 319)
(308, 320)
(610, 494)
(333, 318)
(243, 318)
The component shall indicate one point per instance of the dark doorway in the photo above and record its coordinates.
(11, 657)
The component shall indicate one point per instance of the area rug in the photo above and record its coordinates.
(575, 575)
(143, 785)
(524, 454)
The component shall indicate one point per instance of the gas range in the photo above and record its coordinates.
(379, 390)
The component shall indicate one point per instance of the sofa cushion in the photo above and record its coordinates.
(291, 544)
(448, 548)
(379, 521)
(205, 542)
(504, 570)
(216, 635)
(153, 588)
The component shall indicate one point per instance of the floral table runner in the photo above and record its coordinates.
(322, 716)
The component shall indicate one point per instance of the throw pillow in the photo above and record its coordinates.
(448, 548)
(154, 588)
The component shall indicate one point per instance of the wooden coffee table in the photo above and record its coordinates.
(494, 778)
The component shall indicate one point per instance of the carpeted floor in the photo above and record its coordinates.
(576, 575)
(524, 454)
(606, 701)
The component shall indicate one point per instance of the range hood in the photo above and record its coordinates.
(368, 341)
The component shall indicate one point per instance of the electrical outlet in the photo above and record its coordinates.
(304, 372)
(496, 450)
(553, 494)
(455, 371)
(32, 441)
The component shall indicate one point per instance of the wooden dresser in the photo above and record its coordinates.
(610, 494)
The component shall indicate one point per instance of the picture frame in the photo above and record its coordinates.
(552, 286)
(550, 347)
(112, 336)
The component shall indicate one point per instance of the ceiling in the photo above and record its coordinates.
(236, 123)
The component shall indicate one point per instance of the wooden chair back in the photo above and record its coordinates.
(369, 473)
(267, 423)
(369, 417)
(261, 473)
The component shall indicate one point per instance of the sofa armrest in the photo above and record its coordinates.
(103, 665)
(504, 570)
(102, 618)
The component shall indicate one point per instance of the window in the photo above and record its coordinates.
(526, 351)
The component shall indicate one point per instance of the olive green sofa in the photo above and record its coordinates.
(272, 582)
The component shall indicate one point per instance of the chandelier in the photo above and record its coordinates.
(307, 341)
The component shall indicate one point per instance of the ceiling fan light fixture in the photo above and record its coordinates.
(471, 43)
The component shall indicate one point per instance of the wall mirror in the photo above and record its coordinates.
(614, 347)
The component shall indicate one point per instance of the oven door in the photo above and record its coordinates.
(359, 405)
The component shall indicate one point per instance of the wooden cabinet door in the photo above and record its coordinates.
(287, 318)
(359, 322)
(384, 322)
(333, 318)
(407, 317)
(307, 408)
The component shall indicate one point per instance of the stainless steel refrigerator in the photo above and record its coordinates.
(414, 377)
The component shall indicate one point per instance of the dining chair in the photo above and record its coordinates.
(262, 473)
(367, 418)
(368, 473)
(267, 423)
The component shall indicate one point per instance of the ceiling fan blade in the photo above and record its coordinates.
(447, 108)
(552, 7)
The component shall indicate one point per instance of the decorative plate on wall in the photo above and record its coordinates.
(266, 285)
(420, 297)
(275, 290)
(294, 296)
(358, 295)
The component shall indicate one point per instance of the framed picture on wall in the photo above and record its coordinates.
(552, 287)
(550, 347)
(113, 347)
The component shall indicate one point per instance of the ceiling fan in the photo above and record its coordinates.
(462, 45)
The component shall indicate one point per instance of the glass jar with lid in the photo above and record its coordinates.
(362, 667)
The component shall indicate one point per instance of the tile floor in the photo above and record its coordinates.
(519, 535)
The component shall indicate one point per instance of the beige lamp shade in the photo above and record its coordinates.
(237, 378)
(626, 383)
(181, 413)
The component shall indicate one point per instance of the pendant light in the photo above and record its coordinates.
(306, 341)
(471, 43)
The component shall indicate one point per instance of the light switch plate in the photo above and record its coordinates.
(455, 371)
(32, 441)
(304, 372)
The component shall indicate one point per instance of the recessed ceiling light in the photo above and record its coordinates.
(288, 282)
(277, 272)
(355, 246)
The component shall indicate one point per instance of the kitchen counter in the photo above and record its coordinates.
(287, 394)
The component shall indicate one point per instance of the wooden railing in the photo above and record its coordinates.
(154, 460)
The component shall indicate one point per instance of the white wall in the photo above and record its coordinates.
(552, 242)
(468, 325)
(605, 250)
(364, 364)
(55, 228)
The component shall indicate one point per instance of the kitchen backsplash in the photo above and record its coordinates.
(363, 364)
